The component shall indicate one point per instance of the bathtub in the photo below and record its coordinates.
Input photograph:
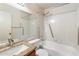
(58, 49)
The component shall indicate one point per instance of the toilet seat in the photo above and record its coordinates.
(41, 52)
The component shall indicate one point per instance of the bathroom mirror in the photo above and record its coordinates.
(21, 24)
(24, 26)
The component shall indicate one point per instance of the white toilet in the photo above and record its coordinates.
(41, 52)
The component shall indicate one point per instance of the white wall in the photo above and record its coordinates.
(5, 26)
(64, 28)
(35, 10)
(33, 27)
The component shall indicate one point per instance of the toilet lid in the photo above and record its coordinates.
(41, 52)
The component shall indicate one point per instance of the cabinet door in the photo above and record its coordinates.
(33, 53)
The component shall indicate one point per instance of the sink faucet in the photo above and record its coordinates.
(10, 40)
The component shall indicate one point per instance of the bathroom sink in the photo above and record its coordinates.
(14, 51)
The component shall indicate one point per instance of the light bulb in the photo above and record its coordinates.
(52, 21)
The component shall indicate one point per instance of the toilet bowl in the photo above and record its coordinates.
(41, 52)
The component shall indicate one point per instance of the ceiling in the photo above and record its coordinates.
(38, 7)
(49, 5)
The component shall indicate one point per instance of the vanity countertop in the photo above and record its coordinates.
(19, 43)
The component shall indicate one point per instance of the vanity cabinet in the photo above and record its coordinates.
(32, 53)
